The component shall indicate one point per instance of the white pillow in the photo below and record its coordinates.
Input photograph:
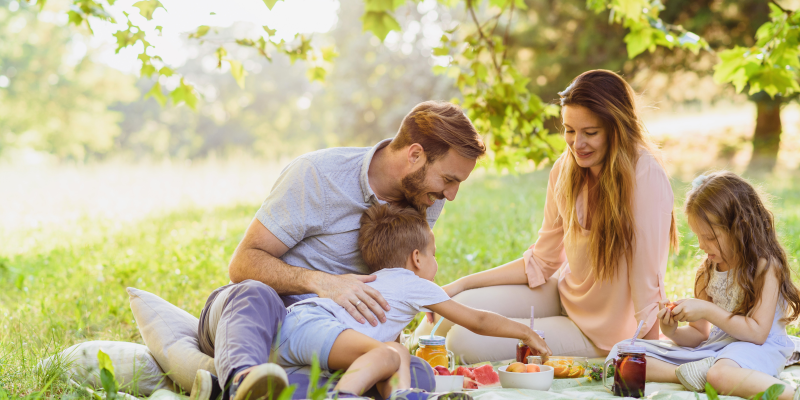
(171, 335)
(135, 369)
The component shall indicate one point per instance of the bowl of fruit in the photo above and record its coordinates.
(568, 367)
(526, 376)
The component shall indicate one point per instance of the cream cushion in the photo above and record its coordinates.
(171, 335)
(135, 368)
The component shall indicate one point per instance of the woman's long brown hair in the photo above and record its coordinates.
(612, 236)
(728, 202)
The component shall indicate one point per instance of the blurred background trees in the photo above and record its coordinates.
(505, 63)
(54, 99)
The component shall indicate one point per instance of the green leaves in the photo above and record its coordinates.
(270, 3)
(201, 31)
(238, 72)
(772, 393)
(771, 65)
(148, 7)
(379, 23)
(287, 393)
(711, 393)
(774, 81)
(638, 41)
(317, 391)
(129, 37)
(497, 97)
(155, 92)
(647, 30)
(184, 94)
(110, 385)
(316, 74)
(378, 19)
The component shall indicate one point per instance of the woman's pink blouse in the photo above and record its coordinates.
(608, 311)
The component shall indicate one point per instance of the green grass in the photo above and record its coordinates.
(64, 285)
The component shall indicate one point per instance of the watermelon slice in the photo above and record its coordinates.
(469, 383)
(466, 371)
(486, 376)
(439, 370)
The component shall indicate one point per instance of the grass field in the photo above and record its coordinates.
(64, 284)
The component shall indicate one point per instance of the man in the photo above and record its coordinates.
(303, 241)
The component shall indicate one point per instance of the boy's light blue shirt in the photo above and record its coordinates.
(315, 207)
(407, 295)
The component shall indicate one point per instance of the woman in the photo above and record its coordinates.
(598, 266)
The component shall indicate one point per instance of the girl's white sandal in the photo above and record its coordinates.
(692, 375)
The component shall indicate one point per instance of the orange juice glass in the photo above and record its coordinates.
(432, 350)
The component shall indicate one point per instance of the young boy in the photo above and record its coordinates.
(398, 246)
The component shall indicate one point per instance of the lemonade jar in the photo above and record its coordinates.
(432, 350)
(630, 369)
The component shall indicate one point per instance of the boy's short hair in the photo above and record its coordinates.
(389, 234)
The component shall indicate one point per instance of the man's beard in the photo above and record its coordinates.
(413, 186)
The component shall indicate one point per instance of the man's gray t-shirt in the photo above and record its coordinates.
(315, 208)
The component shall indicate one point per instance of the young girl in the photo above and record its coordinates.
(743, 288)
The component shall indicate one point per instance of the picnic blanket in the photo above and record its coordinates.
(577, 388)
(584, 388)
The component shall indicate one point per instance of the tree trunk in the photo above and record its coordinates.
(767, 137)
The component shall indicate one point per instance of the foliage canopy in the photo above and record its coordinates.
(495, 94)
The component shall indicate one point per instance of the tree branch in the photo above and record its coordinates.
(505, 37)
(480, 32)
(781, 8)
(488, 21)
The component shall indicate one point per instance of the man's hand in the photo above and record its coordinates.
(690, 310)
(351, 292)
(668, 324)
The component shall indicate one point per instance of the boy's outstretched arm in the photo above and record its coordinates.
(489, 324)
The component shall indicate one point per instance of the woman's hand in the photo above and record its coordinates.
(453, 288)
(665, 318)
(690, 310)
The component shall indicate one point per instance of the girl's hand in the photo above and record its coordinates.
(536, 342)
(690, 310)
(665, 319)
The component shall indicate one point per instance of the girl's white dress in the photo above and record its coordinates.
(769, 358)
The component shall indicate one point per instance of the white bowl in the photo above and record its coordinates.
(449, 383)
(527, 380)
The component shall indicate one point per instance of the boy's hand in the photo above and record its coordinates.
(690, 310)
(665, 318)
(536, 342)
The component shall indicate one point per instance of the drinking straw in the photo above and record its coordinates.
(635, 335)
(436, 326)
(531, 317)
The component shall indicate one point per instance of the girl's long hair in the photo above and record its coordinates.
(728, 202)
(612, 237)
